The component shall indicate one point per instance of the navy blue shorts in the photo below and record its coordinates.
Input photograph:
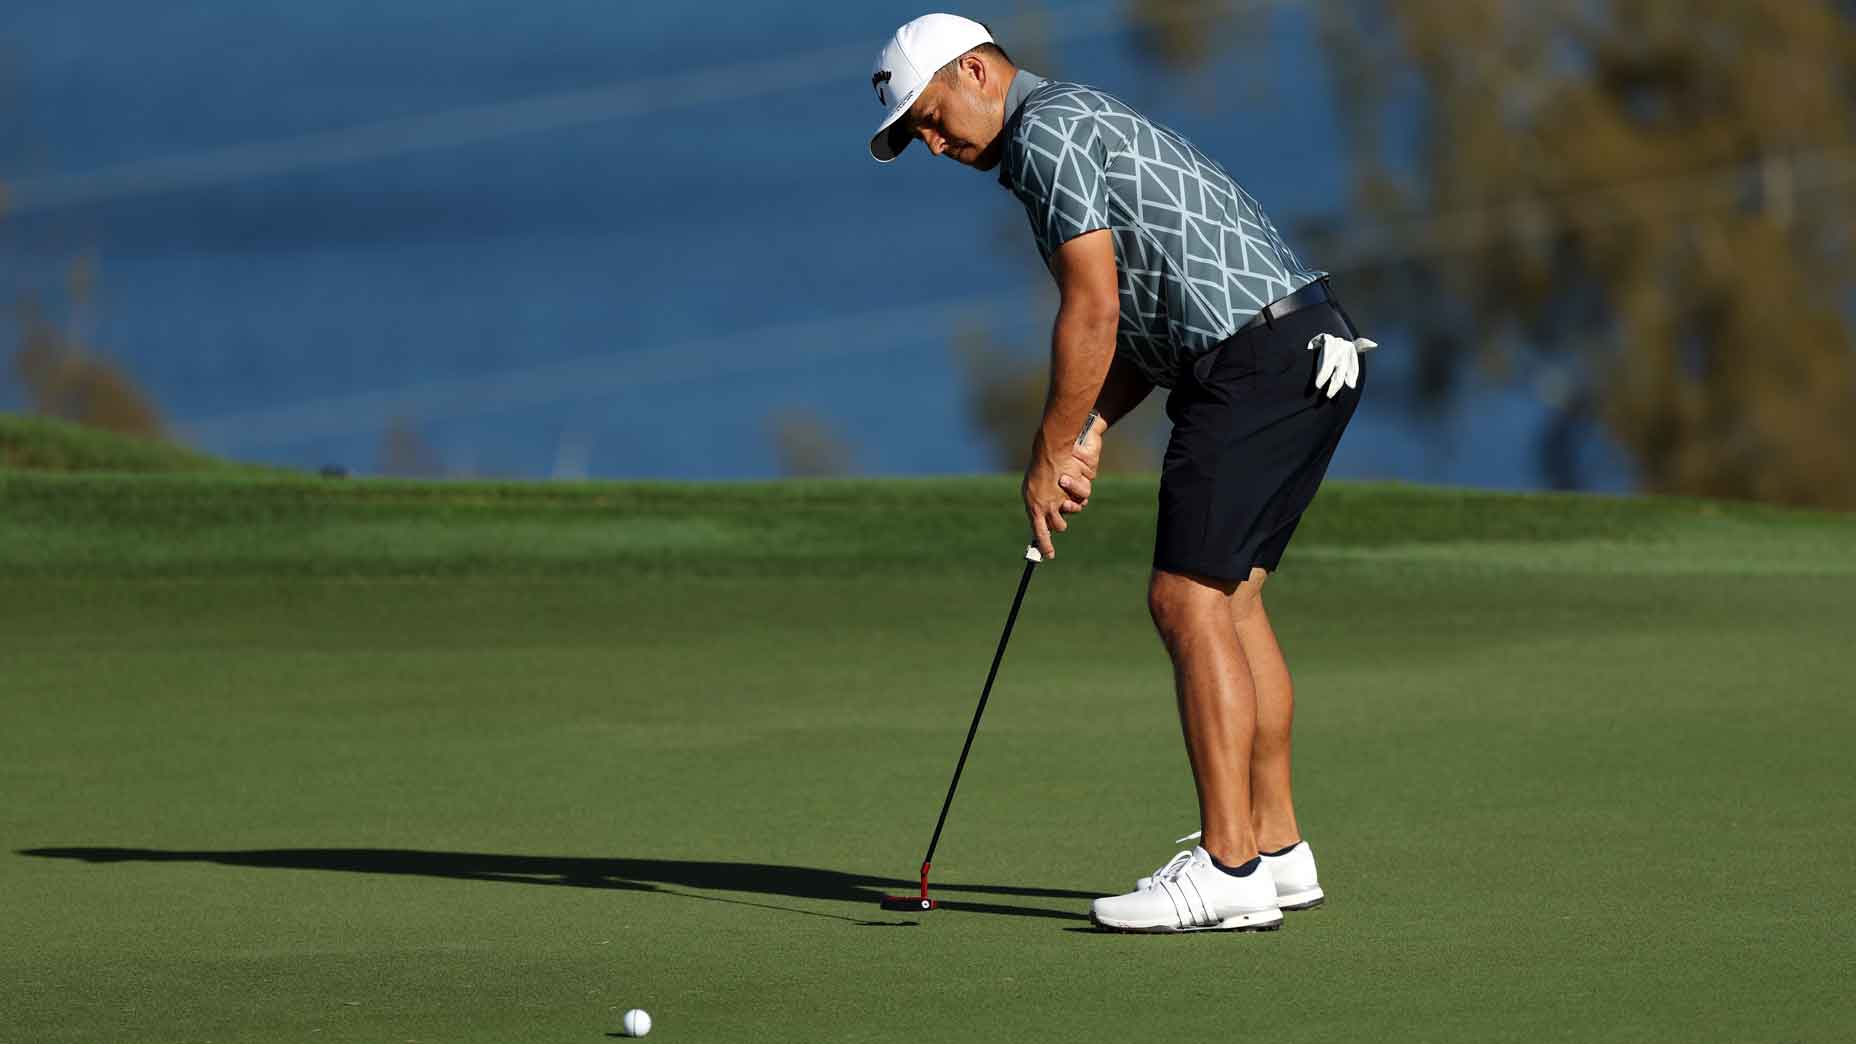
(1252, 438)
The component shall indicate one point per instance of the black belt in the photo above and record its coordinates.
(1314, 293)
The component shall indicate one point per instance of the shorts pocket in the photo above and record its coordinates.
(1280, 353)
(1232, 360)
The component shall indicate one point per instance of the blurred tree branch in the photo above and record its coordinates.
(405, 452)
(54, 362)
(1656, 192)
(63, 378)
(806, 445)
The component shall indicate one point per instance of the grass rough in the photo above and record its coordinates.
(29, 443)
(216, 523)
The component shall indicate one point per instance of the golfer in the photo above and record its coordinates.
(1170, 276)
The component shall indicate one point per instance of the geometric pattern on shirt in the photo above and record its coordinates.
(1196, 255)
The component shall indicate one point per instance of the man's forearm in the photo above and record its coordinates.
(1081, 352)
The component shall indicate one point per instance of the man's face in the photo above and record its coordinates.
(959, 118)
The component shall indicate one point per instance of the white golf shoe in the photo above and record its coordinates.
(1189, 894)
(1297, 887)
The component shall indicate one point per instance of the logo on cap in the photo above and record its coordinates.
(879, 81)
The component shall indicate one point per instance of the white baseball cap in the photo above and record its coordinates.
(909, 60)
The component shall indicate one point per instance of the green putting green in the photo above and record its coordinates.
(298, 760)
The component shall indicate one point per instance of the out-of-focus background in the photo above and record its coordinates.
(1604, 245)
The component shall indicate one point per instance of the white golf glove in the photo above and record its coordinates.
(1340, 361)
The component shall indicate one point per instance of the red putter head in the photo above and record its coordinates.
(911, 902)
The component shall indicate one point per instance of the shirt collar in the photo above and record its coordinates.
(1023, 83)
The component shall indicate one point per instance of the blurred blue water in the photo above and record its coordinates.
(643, 290)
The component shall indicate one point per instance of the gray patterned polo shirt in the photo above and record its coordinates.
(1197, 256)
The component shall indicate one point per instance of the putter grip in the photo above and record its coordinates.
(1032, 554)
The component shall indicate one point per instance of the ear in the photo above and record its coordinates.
(975, 67)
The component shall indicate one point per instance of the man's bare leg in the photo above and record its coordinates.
(1217, 705)
(1272, 812)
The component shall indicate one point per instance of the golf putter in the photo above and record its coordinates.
(922, 902)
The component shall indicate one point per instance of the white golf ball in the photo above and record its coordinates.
(637, 1022)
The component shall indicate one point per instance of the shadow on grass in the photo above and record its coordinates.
(660, 876)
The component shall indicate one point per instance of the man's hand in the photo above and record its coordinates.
(1045, 501)
(1078, 476)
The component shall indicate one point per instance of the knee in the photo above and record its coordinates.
(1179, 603)
(1162, 607)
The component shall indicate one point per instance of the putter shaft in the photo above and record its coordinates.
(1018, 599)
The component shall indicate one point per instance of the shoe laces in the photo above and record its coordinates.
(1174, 867)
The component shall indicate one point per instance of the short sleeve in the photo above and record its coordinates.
(1059, 172)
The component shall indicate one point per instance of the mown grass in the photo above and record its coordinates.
(299, 759)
